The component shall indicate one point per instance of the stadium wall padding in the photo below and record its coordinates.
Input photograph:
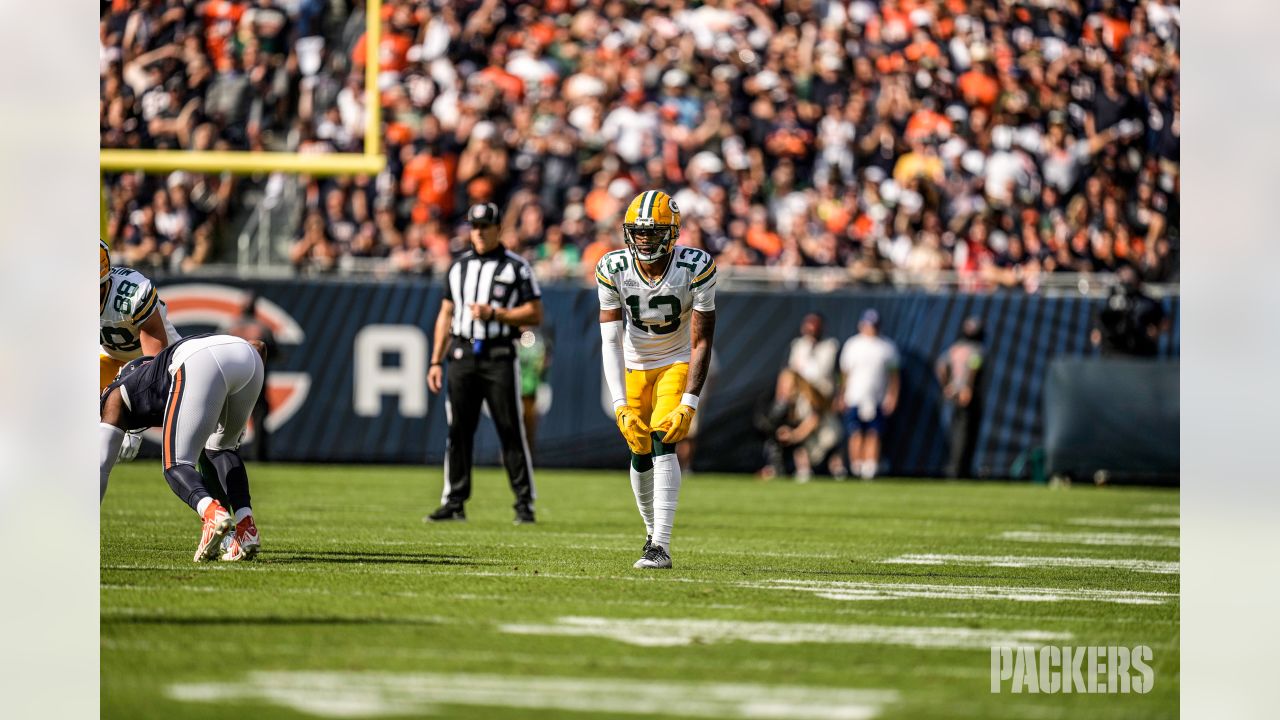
(1025, 334)
(1114, 414)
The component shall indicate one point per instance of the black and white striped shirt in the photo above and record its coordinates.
(499, 278)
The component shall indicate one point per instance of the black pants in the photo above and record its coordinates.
(963, 438)
(486, 378)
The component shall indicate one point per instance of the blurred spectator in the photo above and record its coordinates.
(534, 354)
(959, 372)
(796, 426)
(869, 370)
(813, 356)
(1131, 322)
(1002, 140)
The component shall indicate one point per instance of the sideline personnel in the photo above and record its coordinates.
(491, 293)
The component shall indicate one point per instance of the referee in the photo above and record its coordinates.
(492, 293)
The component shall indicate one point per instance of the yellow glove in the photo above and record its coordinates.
(675, 425)
(634, 431)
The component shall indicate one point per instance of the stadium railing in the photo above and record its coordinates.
(805, 279)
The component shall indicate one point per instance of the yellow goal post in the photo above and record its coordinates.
(369, 162)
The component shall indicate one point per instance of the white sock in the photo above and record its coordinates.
(203, 505)
(642, 486)
(666, 492)
(109, 439)
(243, 513)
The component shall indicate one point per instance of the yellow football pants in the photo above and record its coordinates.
(655, 393)
(107, 369)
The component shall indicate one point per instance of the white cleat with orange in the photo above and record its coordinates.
(243, 544)
(217, 525)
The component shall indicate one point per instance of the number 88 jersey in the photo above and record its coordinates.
(130, 300)
(657, 313)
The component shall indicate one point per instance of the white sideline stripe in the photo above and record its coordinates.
(1084, 538)
(366, 694)
(857, 591)
(1159, 522)
(1159, 567)
(1165, 508)
(675, 632)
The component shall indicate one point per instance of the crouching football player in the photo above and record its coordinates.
(657, 319)
(201, 390)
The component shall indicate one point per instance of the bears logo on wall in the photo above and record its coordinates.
(207, 307)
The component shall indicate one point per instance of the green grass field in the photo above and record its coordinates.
(781, 603)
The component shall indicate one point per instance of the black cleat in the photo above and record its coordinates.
(655, 558)
(648, 543)
(524, 515)
(447, 513)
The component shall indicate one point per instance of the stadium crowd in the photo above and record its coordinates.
(1001, 139)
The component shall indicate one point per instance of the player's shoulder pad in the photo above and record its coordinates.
(135, 296)
(609, 264)
(706, 268)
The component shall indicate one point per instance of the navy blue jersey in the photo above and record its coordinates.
(146, 390)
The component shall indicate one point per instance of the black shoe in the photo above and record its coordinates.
(655, 558)
(648, 543)
(524, 515)
(447, 513)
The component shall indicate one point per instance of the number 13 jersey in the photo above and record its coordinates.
(657, 313)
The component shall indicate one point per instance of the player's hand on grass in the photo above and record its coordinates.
(675, 426)
(129, 448)
(634, 431)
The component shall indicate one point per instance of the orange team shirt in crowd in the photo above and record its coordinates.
(591, 255)
(766, 243)
(924, 123)
(599, 205)
(431, 177)
(978, 88)
(393, 52)
(1114, 32)
(220, 20)
(512, 87)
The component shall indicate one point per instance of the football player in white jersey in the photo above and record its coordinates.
(133, 323)
(657, 321)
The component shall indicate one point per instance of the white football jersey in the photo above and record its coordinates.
(657, 313)
(130, 300)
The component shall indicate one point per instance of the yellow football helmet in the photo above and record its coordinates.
(651, 225)
(104, 261)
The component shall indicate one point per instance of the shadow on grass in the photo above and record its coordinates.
(372, 558)
(269, 620)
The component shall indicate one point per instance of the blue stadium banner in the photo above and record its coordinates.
(349, 382)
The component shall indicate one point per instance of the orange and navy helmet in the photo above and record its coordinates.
(104, 261)
(651, 225)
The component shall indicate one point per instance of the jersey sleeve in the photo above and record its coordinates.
(607, 288)
(703, 286)
(145, 302)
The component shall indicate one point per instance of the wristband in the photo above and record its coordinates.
(690, 400)
(434, 364)
(618, 403)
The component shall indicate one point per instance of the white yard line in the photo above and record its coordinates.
(373, 694)
(860, 591)
(1156, 522)
(1159, 567)
(1086, 538)
(1161, 508)
(675, 632)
